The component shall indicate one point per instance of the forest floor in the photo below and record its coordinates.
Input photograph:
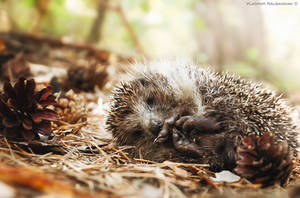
(81, 159)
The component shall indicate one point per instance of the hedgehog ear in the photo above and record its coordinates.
(143, 82)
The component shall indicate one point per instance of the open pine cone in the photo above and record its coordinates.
(264, 160)
(71, 107)
(86, 78)
(23, 111)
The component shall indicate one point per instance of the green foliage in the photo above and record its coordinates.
(164, 29)
(143, 5)
(199, 24)
(116, 36)
(252, 54)
(138, 25)
(202, 58)
(60, 18)
(57, 9)
(29, 3)
(23, 14)
(244, 69)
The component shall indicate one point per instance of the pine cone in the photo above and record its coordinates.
(85, 78)
(264, 160)
(71, 108)
(23, 112)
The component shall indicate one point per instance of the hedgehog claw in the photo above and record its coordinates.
(160, 139)
(163, 135)
(182, 144)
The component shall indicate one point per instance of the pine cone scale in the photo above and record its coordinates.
(45, 93)
(30, 87)
(19, 89)
(8, 90)
(50, 101)
(27, 124)
(46, 114)
(4, 110)
(10, 123)
(44, 128)
(28, 135)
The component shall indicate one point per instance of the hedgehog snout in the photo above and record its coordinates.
(155, 126)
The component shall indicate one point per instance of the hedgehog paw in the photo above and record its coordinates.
(169, 124)
(163, 135)
(182, 144)
(201, 124)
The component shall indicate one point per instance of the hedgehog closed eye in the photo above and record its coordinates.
(150, 101)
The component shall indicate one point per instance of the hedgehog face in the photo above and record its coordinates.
(139, 109)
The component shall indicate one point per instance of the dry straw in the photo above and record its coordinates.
(81, 160)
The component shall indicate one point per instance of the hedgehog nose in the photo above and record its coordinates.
(155, 126)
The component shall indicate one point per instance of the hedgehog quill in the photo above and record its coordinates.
(180, 112)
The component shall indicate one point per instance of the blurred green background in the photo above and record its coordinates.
(257, 41)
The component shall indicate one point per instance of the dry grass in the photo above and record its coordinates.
(82, 161)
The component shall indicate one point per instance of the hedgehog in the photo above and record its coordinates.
(178, 111)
